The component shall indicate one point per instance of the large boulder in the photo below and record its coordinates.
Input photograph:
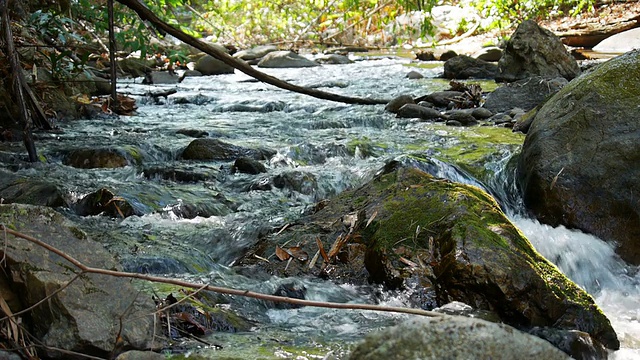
(453, 337)
(15, 189)
(466, 67)
(285, 59)
(91, 158)
(535, 51)
(579, 162)
(439, 241)
(524, 94)
(87, 314)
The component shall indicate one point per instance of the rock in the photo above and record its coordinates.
(160, 77)
(578, 344)
(525, 94)
(425, 55)
(394, 105)
(87, 316)
(208, 65)
(467, 249)
(449, 54)
(101, 158)
(413, 75)
(285, 59)
(214, 149)
(302, 182)
(461, 116)
(32, 192)
(465, 67)
(189, 73)
(178, 174)
(535, 51)
(255, 53)
(134, 67)
(453, 337)
(442, 98)
(481, 113)
(579, 161)
(334, 59)
(105, 201)
(620, 43)
(490, 54)
(417, 111)
(6, 355)
(140, 355)
(194, 133)
(248, 166)
(290, 290)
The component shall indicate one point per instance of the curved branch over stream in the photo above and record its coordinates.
(221, 290)
(146, 14)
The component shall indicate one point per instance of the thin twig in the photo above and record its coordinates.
(218, 289)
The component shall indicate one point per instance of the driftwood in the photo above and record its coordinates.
(145, 14)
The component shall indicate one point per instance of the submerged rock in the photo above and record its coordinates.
(453, 337)
(535, 51)
(91, 158)
(214, 149)
(579, 163)
(88, 315)
(32, 192)
(442, 242)
(105, 201)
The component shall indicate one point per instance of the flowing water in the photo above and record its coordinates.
(339, 146)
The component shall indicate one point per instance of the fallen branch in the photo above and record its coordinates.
(145, 14)
(221, 290)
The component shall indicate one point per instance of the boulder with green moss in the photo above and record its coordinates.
(441, 241)
(85, 313)
(579, 163)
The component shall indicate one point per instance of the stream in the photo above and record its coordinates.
(339, 147)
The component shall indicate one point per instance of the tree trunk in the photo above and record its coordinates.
(146, 14)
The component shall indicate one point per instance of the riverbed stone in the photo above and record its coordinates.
(208, 65)
(418, 111)
(87, 316)
(525, 94)
(334, 59)
(396, 103)
(91, 158)
(579, 162)
(215, 149)
(15, 189)
(441, 98)
(441, 242)
(535, 51)
(248, 166)
(453, 337)
(104, 201)
(255, 53)
(467, 67)
(285, 59)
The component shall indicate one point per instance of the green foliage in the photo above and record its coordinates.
(507, 13)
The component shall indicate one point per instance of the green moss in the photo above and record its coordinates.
(366, 147)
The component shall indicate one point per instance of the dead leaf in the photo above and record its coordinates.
(298, 253)
(282, 254)
(321, 249)
(314, 259)
(337, 245)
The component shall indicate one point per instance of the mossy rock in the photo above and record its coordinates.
(579, 163)
(90, 158)
(32, 192)
(443, 242)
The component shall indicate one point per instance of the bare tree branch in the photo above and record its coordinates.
(217, 289)
(146, 14)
